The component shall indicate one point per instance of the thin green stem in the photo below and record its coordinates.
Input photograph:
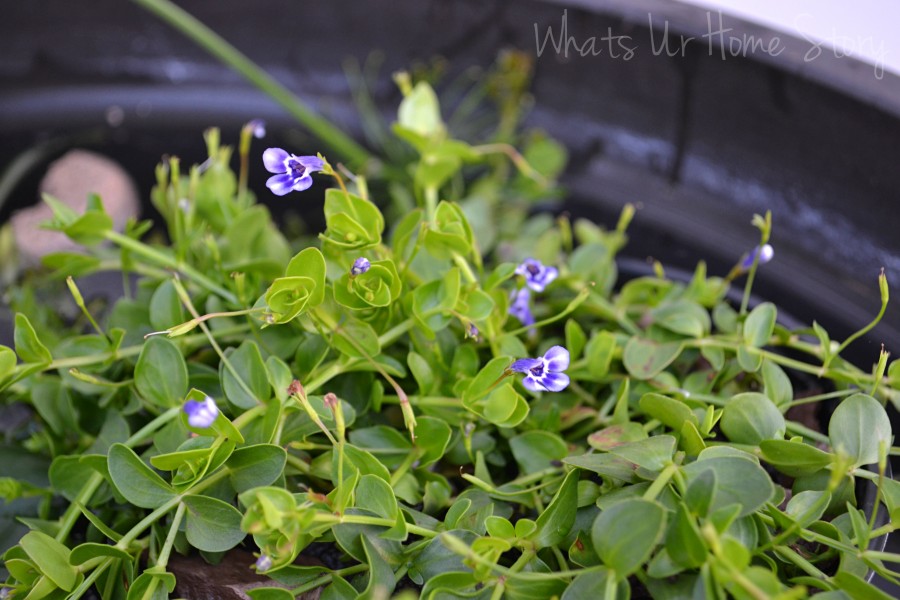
(165, 260)
(166, 550)
(181, 20)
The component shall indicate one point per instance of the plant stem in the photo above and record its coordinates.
(231, 56)
(165, 260)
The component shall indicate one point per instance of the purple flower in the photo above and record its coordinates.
(520, 306)
(263, 563)
(765, 255)
(294, 173)
(201, 414)
(537, 276)
(258, 128)
(544, 374)
(360, 266)
(472, 332)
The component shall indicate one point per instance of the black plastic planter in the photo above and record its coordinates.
(700, 141)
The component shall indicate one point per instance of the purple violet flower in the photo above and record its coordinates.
(519, 306)
(263, 563)
(293, 173)
(544, 374)
(472, 332)
(201, 414)
(258, 128)
(765, 255)
(537, 276)
(360, 266)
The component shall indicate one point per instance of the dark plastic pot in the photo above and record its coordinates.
(700, 142)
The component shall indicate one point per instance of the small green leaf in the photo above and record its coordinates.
(760, 324)
(135, 481)
(432, 438)
(28, 346)
(84, 552)
(646, 359)
(861, 428)
(255, 466)
(537, 450)
(626, 533)
(375, 494)
(652, 453)
(684, 543)
(795, 459)
(51, 558)
(599, 353)
(212, 525)
(249, 368)
(750, 418)
(160, 375)
(738, 481)
(671, 412)
(554, 524)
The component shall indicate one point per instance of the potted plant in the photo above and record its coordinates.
(451, 404)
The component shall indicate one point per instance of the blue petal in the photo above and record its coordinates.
(557, 359)
(302, 183)
(280, 184)
(555, 382)
(313, 163)
(274, 159)
(523, 365)
(532, 384)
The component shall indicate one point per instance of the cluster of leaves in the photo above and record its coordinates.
(670, 465)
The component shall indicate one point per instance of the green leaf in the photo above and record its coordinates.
(738, 481)
(554, 524)
(653, 453)
(646, 359)
(750, 418)
(672, 413)
(255, 466)
(352, 222)
(166, 309)
(777, 385)
(85, 552)
(857, 588)
(599, 353)
(152, 586)
(302, 287)
(575, 338)
(249, 367)
(270, 593)
(7, 362)
(795, 459)
(615, 435)
(684, 543)
(420, 111)
(682, 316)
(701, 493)
(357, 339)
(593, 585)
(135, 481)
(626, 533)
(432, 438)
(760, 325)
(432, 300)
(51, 558)
(375, 494)
(160, 375)
(69, 473)
(860, 428)
(450, 233)
(537, 450)
(28, 346)
(212, 525)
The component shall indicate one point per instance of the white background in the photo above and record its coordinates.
(864, 29)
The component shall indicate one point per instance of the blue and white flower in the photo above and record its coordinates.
(293, 173)
(544, 374)
(537, 276)
(765, 254)
(520, 306)
(360, 266)
(201, 414)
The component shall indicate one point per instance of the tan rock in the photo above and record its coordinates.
(72, 179)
